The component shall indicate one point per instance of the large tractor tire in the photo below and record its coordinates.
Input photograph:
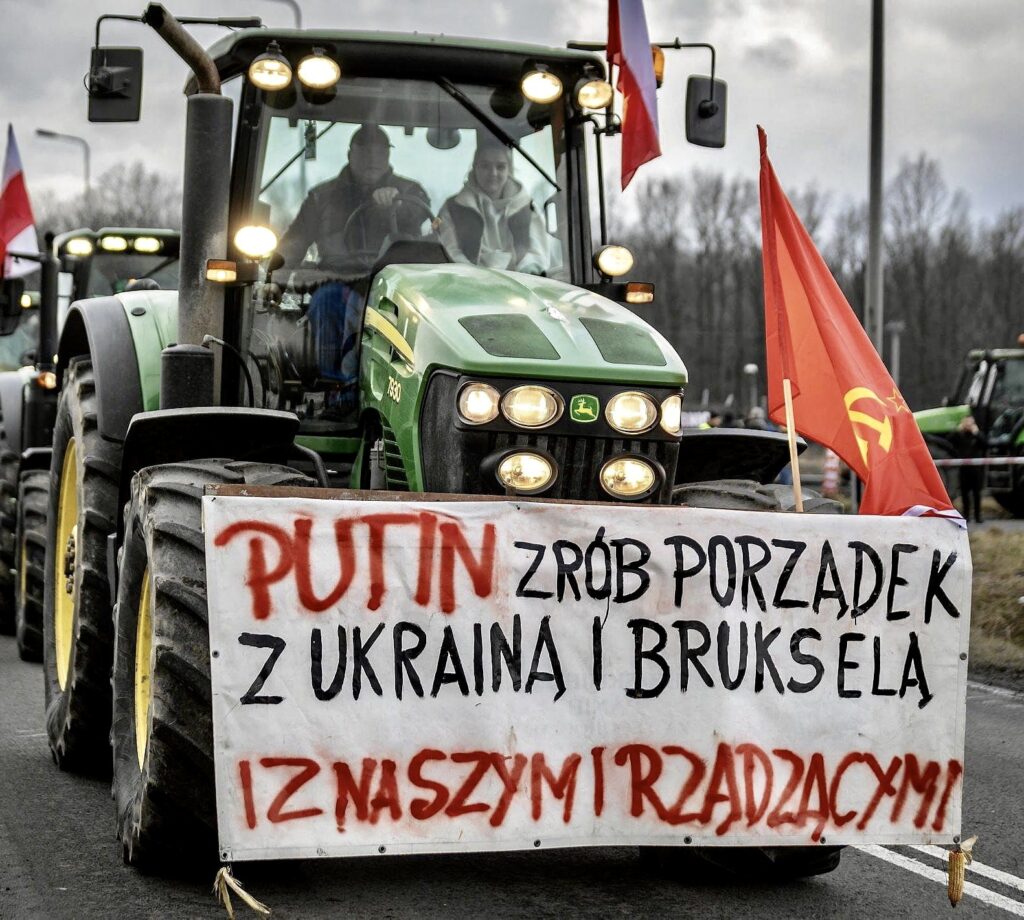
(33, 502)
(77, 627)
(8, 508)
(1013, 499)
(163, 724)
(747, 863)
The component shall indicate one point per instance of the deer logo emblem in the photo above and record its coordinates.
(584, 408)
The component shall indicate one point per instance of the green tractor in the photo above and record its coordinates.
(300, 350)
(78, 265)
(991, 388)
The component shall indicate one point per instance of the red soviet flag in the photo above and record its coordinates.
(843, 397)
(629, 49)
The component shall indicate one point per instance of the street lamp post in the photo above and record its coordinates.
(86, 154)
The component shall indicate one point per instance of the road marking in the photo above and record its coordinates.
(997, 875)
(1014, 695)
(939, 875)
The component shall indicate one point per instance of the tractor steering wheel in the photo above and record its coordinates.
(369, 255)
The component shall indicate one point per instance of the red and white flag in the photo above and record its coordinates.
(17, 226)
(843, 397)
(629, 49)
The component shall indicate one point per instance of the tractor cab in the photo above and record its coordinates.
(429, 154)
(96, 263)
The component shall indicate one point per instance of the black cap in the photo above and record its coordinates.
(369, 135)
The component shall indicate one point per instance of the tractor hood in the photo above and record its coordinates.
(481, 320)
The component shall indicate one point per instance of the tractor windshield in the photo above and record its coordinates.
(390, 159)
(112, 272)
(15, 348)
(1006, 401)
(475, 168)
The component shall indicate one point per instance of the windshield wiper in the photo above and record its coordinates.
(497, 130)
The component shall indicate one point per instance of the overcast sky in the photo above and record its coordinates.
(954, 70)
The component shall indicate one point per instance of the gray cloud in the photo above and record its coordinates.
(800, 67)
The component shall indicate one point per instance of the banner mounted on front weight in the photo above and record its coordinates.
(396, 677)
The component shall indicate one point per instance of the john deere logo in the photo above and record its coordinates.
(584, 408)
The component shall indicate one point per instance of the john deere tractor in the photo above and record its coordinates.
(373, 364)
(77, 266)
(991, 388)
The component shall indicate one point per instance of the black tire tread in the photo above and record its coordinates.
(9, 463)
(33, 504)
(166, 813)
(78, 717)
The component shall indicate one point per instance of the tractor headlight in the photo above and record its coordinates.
(526, 472)
(271, 70)
(672, 414)
(113, 243)
(631, 413)
(478, 403)
(78, 246)
(318, 71)
(541, 85)
(532, 406)
(593, 94)
(146, 244)
(628, 477)
(613, 261)
(256, 242)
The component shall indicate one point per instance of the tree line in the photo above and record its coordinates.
(954, 281)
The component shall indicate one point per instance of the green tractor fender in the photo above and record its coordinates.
(12, 385)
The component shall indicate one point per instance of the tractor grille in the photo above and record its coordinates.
(580, 460)
(455, 458)
(394, 469)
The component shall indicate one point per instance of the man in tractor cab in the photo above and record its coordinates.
(348, 218)
(353, 212)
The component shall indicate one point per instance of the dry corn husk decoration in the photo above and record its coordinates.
(225, 883)
(958, 860)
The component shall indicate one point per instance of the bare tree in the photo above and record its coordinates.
(126, 195)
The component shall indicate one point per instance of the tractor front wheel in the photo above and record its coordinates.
(77, 632)
(8, 507)
(30, 551)
(162, 718)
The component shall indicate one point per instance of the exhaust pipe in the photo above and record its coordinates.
(204, 217)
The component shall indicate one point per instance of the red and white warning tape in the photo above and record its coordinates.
(982, 461)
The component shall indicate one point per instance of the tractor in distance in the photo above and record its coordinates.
(340, 359)
(77, 265)
(991, 388)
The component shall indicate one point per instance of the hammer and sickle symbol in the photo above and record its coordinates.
(882, 427)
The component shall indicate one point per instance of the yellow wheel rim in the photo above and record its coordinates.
(143, 668)
(64, 580)
(22, 574)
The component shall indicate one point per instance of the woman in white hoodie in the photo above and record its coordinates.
(492, 221)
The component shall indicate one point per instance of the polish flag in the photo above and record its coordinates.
(17, 226)
(629, 48)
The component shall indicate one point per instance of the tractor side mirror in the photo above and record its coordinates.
(115, 84)
(705, 111)
(11, 290)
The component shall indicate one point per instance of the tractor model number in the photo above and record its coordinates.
(394, 389)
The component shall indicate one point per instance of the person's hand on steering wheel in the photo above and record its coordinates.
(385, 197)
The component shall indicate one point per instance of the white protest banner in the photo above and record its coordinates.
(429, 677)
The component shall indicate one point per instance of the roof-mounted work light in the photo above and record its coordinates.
(271, 70)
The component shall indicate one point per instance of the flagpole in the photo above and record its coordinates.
(794, 461)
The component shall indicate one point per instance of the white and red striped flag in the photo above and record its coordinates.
(629, 48)
(17, 226)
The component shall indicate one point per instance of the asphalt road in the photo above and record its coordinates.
(59, 858)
